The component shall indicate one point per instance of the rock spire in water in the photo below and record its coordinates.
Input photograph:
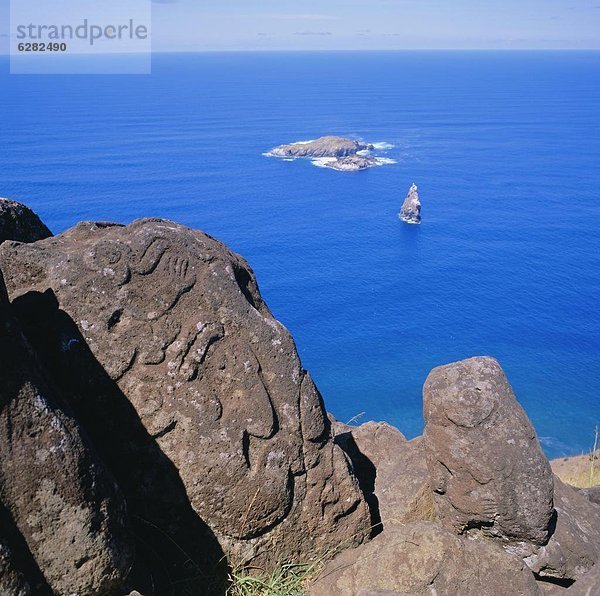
(411, 208)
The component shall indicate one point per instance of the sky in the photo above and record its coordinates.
(375, 24)
(242, 25)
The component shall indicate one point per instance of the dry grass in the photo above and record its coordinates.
(576, 470)
(292, 579)
(286, 580)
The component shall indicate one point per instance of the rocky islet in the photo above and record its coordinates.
(336, 153)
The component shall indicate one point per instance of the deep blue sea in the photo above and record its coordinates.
(505, 149)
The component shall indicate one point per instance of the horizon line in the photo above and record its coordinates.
(310, 51)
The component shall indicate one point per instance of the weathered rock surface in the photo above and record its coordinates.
(391, 470)
(586, 585)
(353, 163)
(177, 322)
(422, 558)
(574, 545)
(487, 468)
(411, 208)
(403, 485)
(18, 222)
(63, 502)
(593, 494)
(329, 146)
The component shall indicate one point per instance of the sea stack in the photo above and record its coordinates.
(411, 208)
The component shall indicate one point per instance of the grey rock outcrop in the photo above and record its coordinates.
(391, 470)
(574, 546)
(353, 163)
(177, 322)
(422, 558)
(487, 468)
(411, 208)
(593, 494)
(403, 486)
(329, 146)
(586, 585)
(18, 222)
(63, 502)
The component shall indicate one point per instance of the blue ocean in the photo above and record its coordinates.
(505, 150)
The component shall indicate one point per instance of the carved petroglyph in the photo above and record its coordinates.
(176, 319)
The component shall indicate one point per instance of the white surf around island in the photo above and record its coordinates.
(335, 153)
(408, 220)
(383, 146)
(323, 162)
(330, 162)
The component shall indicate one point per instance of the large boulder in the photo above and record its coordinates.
(490, 476)
(391, 470)
(488, 471)
(574, 545)
(18, 222)
(63, 502)
(423, 558)
(177, 329)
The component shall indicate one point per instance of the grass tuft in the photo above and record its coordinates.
(285, 580)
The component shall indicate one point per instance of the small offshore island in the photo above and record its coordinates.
(411, 208)
(336, 153)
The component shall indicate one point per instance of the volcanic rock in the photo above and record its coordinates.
(586, 585)
(391, 471)
(353, 163)
(593, 494)
(487, 468)
(215, 387)
(62, 500)
(422, 558)
(411, 208)
(574, 546)
(18, 222)
(322, 147)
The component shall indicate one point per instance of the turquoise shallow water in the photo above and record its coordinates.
(505, 148)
